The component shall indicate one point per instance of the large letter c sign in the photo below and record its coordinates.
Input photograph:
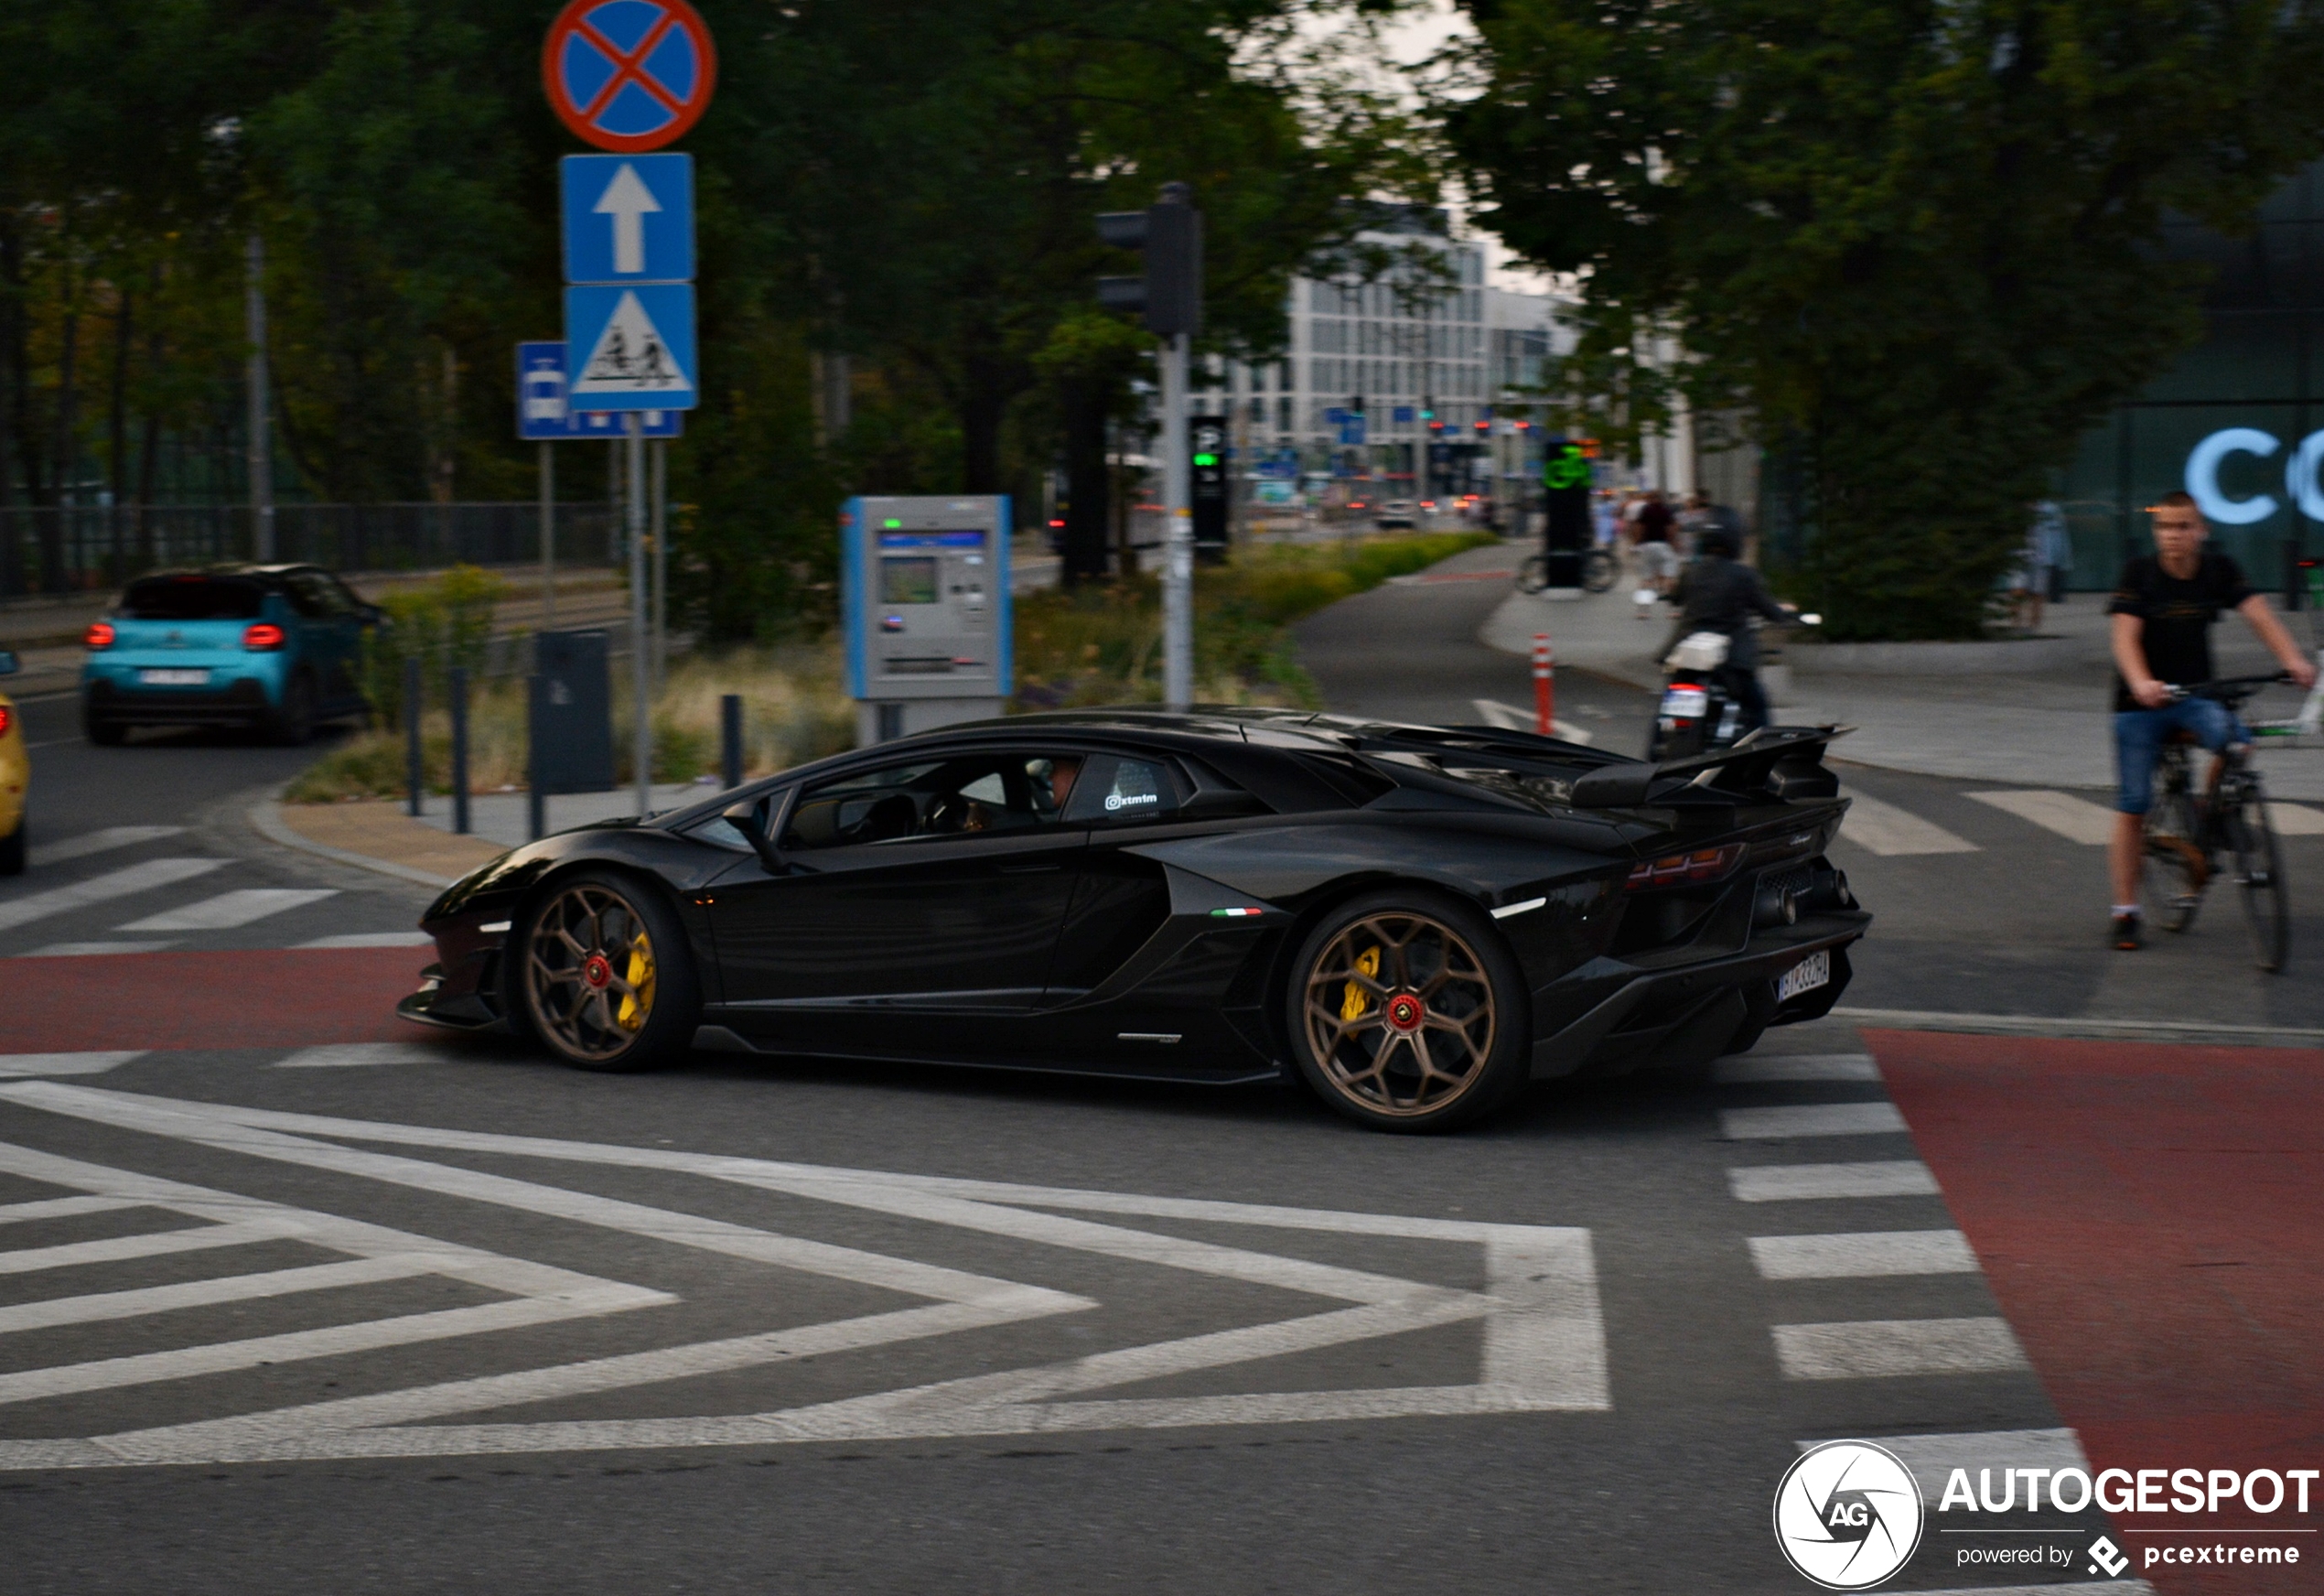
(2202, 476)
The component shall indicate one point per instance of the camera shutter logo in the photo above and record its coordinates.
(1847, 1514)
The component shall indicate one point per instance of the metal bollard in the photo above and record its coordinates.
(536, 804)
(414, 770)
(459, 705)
(730, 740)
(1544, 687)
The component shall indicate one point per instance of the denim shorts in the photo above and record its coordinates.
(2138, 743)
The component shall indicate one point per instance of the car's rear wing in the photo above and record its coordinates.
(1771, 764)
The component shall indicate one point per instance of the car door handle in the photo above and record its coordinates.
(1026, 870)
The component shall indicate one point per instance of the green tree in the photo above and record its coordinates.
(1917, 238)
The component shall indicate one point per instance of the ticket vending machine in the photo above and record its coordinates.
(924, 589)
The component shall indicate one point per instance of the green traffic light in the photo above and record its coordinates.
(1206, 459)
(891, 526)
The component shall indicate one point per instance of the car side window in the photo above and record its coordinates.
(307, 594)
(1115, 790)
(964, 795)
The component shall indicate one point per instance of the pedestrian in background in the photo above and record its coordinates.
(1657, 556)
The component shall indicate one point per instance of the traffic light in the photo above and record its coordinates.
(1169, 232)
(1355, 404)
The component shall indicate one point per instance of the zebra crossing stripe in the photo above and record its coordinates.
(1810, 1119)
(1884, 829)
(340, 1055)
(229, 909)
(2291, 820)
(97, 842)
(1741, 1071)
(1880, 1348)
(1933, 1457)
(1862, 1255)
(2075, 819)
(1803, 1183)
(64, 1063)
(122, 883)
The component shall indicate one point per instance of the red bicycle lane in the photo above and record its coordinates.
(2151, 1219)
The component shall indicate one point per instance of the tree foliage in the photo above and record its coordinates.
(1917, 238)
(911, 185)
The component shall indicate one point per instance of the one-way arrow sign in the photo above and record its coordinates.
(628, 219)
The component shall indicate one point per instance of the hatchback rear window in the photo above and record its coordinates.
(192, 598)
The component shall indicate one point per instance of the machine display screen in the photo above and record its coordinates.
(912, 580)
(973, 539)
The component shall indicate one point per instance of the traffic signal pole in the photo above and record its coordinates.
(1178, 559)
(1169, 296)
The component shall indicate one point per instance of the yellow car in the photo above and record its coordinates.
(16, 777)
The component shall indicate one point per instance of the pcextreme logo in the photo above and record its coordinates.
(1847, 1514)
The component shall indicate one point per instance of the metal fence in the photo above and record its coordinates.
(77, 548)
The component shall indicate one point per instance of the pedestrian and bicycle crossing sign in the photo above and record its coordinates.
(635, 346)
(629, 75)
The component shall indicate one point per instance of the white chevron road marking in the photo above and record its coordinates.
(1543, 1344)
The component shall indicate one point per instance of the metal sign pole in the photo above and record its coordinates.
(1178, 555)
(262, 465)
(661, 563)
(640, 645)
(548, 538)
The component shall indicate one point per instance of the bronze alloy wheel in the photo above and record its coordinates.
(1400, 1015)
(589, 973)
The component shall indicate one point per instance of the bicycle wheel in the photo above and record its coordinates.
(1600, 570)
(2259, 870)
(2174, 843)
(1534, 574)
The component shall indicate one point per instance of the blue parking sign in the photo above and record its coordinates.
(628, 219)
(545, 415)
(632, 348)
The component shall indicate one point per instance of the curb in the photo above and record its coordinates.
(2173, 1031)
(265, 818)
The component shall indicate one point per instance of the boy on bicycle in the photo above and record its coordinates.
(2163, 608)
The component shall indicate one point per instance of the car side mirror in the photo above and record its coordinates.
(744, 818)
(9, 665)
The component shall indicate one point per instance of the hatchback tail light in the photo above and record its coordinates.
(1697, 868)
(100, 635)
(264, 636)
(7, 719)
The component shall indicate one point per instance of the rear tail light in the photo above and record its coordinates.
(7, 719)
(1694, 869)
(264, 636)
(99, 635)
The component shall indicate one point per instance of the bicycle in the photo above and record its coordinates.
(1598, 571)
(2187, 830)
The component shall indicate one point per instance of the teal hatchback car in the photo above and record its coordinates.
(272, 648)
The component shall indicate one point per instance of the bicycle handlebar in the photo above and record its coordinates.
(2227, 688)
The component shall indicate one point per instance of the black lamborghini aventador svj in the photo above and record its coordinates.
(1415, 920)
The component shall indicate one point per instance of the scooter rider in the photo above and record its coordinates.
(1718, 593)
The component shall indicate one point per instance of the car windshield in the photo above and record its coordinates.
(192, 598)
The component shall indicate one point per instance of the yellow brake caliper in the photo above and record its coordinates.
(1355, 1001)
(637, 1002)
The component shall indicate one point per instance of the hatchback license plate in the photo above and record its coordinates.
(174, 678)
(1810, 973)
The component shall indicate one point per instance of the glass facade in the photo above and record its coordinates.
(2239, 421)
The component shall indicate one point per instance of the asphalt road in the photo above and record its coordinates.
(290, 1302)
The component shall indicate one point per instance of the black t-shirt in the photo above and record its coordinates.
(2178, 616)
(1654, 520)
